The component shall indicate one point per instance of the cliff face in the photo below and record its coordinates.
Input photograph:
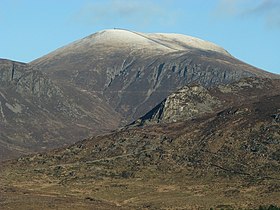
(36, 114)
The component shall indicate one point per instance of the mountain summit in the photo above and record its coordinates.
(134, 71)
(158, 42)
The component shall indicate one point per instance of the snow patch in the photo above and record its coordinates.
(181, 41)
(2, 113)
(112, 39)
(16, 108)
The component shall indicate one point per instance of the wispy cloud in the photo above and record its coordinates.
(267, 10)
(135, 12)
(227, 7)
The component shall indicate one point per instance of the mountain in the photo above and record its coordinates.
(36, 114)
(135, 71)
(224, 158)
(103, 82)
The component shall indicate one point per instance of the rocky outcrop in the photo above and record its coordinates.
(187, 103)
(194, 101)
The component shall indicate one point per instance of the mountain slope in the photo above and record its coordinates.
(225, 159)
(36, 114)
(135, 71)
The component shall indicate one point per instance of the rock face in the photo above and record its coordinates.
(186, 103)
(135, 71)
(36, 114)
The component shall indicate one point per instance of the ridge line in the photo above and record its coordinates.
(157, 42)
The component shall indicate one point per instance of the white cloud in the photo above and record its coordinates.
(228, 7)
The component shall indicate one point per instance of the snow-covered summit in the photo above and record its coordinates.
(112, 40)
(162, 41)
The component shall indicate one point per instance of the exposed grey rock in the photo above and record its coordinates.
(187, 103)
(194, 101)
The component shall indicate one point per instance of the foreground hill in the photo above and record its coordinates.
(223, 159)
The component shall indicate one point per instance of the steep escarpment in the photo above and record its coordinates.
(135, 71)
(36, 114)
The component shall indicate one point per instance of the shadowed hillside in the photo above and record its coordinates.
(226, 159)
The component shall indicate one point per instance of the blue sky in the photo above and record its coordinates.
(248, 29)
